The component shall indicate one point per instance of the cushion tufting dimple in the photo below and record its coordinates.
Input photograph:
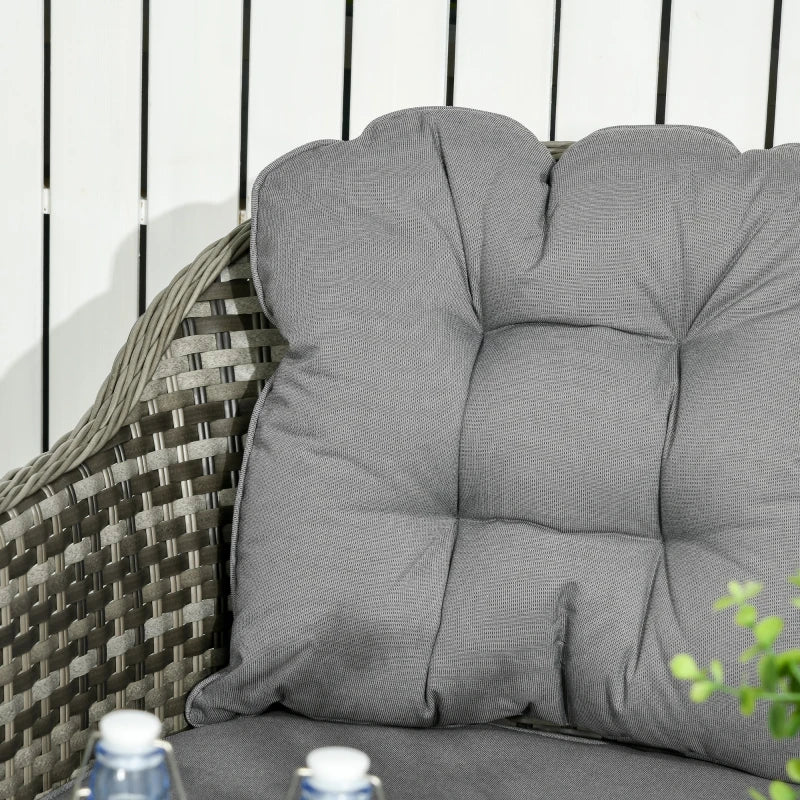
(531, 419)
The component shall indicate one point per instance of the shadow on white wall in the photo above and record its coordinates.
(173, 241)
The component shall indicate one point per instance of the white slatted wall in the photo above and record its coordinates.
(119, 229)
(720, 50)
(787, 106)
(94, 193)
(504, 59)
(21, 230)
(399, 57)
(293, 99)
(587, 66)
(194, 110)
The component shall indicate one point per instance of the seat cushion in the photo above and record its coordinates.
(254, 757)
(531, 420)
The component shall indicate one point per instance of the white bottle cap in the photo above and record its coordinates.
(128, 731)
(338, 769)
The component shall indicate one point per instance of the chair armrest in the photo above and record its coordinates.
(114, 574)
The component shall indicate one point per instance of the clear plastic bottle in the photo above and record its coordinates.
(337, 773)
(128, 764)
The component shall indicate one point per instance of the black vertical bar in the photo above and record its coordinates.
(142, 292)
(46, 236)
(769, 134)
(451, 52)
(663, 61)
(245, 108)
(348, 57)
(554, 90)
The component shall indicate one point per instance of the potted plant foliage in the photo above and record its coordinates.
(778, 673)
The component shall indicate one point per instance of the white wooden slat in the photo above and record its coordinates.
(504, 59)
(21, 160)
(399, 57)
(94, 179)
(607, 65)
(193, 143)
(787, 100)
(718, 74)
(296, 78)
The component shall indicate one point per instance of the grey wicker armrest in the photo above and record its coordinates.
(114, 586)
(113, 561)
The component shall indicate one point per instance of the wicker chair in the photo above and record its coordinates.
(114, 545)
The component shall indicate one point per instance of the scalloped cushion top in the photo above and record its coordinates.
(532, 418)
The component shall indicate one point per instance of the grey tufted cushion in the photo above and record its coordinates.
(532, 418)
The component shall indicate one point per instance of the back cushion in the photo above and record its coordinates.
(531, 419)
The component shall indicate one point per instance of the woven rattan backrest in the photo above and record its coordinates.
(120, 596)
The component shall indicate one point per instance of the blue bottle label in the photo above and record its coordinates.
(143, 776)
(310, 792)
(127, 796)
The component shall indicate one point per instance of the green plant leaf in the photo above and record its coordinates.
(736, 590)
(768, 630)
(777, 721)
(778, 790)
(748, 654)
(793, 769)
(756, 795)
(746, 616)
(796, 601)
(751, 589)
(701, 691)
(791, 726)
(791, 656)
(716, 670)
(747, 700)
(768, 671)
(792, 671)
(725, 602)
(795, 579)
(685, 668)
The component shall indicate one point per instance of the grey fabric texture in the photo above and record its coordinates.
(255, 757)
(532, 418)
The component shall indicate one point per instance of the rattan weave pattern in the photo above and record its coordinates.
(132, 367)
(114, 587)
(113, 591)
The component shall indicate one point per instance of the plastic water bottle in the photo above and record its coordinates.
(337, 773)
(128, 763)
